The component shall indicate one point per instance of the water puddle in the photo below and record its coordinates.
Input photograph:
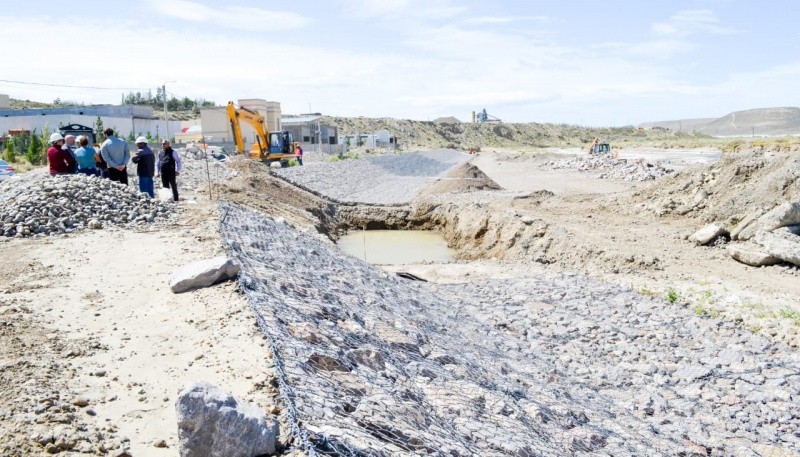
(396, 247)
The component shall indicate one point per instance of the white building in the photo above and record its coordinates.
(126, 120)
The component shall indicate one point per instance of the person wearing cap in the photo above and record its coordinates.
(60, 161)
(116, 153)
(145, 166)
(298, 153)
(169, 166)
(85, 156)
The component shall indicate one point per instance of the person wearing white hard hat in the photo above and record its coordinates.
(145, 162)
(60, 161)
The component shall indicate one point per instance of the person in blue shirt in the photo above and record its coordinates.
(85, 156)
(117, 154)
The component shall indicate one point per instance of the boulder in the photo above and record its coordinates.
(202, 274)
(211, 423)
(782, 215)
(781, 243)
(751, 254)
(748, 221)
(708, 234)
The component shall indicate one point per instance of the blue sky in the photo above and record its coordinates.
(599, 63)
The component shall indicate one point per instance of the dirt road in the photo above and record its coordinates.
(93, 319)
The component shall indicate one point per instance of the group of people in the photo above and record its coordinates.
(111, 162)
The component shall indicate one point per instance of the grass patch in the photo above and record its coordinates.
(348, 156)
(791, 314)
(647, 292)
(672, 295)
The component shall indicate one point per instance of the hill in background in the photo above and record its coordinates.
(759, 122)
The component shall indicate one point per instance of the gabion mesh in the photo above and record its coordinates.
(371, 364)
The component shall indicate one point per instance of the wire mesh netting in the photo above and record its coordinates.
(371, 364)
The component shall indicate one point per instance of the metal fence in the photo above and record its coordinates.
(371, 364)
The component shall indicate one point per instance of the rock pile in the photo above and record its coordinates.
(195, 175)
(389, 179)
(611, 168)
(38, 204)
(768, 237)
(551, 366)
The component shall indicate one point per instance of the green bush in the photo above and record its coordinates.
(672, 296)
(349, 155)
(35, 152)
(10, 156)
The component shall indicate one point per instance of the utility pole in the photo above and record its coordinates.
(166, 125)
(166, 122)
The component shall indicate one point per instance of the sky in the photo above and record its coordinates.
(592, 63)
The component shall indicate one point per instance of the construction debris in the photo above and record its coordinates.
(37, 204)
(611, 168)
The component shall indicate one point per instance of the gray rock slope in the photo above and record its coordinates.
(371, 364)
(391, 179)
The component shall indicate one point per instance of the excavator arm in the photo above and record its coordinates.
(255, 120)
(271, 147)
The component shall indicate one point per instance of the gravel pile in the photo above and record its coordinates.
(610, 168)
(558, 365)
(391, 179)
(195, 174)
(37, 204)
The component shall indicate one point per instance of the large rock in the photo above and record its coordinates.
(781, 243)
(782, 215)
(202, 274)
(752, 254)
(708, 234)
(211, 423)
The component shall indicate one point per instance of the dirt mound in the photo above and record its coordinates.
(463, 178)
(726, 190)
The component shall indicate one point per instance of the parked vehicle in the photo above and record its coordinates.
(6, 170)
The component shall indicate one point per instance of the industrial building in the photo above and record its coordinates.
(126, 120)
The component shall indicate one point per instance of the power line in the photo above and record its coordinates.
(75, 87)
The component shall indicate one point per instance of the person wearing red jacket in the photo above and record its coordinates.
(61, 162)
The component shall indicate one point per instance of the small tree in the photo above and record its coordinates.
(45, 138)
(35, 153)
(98, 128)
(148, 136)
(131, 137)
(10, 155)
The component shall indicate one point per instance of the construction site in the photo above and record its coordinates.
(637, 298)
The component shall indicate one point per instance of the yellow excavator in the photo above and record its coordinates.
(269, 147)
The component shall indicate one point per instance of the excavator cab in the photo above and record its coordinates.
(281, 142)
(599, 148)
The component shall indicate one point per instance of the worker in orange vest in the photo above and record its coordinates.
(298, 153)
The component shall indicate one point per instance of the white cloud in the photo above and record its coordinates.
(488, 20)
(431, 69)
(690, 22)
(236, 17)
(394, 9)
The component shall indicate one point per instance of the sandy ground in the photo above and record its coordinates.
(703, 278)
(97, 310)
(108, 290)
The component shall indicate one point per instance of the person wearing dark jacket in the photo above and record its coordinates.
(60, 161)
(145, 166)
(169, 166)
